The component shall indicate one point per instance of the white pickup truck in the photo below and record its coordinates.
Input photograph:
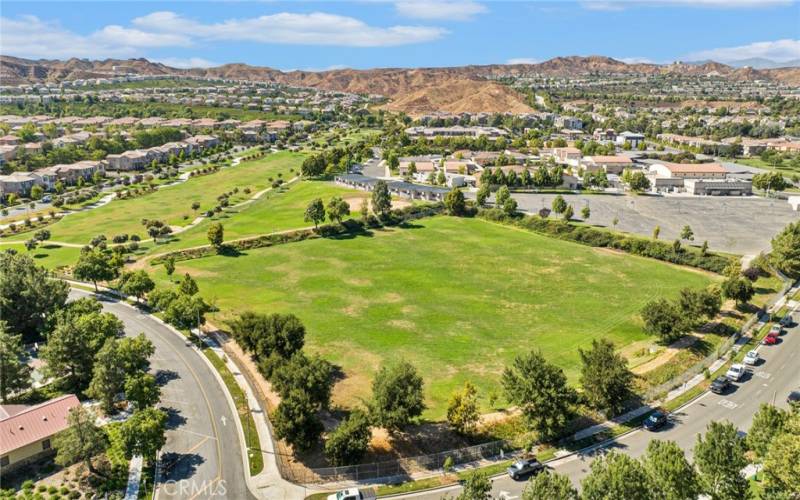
(353, 494)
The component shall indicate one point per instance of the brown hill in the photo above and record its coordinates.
(412, 86)
(470, 96)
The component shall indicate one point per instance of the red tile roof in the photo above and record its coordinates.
(35, 423)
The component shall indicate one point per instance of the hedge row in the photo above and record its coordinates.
(636, 245)
(349, 226)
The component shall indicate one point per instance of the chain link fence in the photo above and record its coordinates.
(403, 467)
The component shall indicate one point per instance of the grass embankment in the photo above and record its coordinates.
(458, 311)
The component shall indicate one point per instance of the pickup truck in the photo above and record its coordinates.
(353, 494)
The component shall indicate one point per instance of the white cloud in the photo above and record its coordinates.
(30, 36)
(523, 60)
(617, 5)
(317, 28)
(185, 63)
(635, 60)
(446, 10)
(777, 50)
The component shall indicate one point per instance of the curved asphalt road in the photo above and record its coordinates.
(202, 457)
(769, 382)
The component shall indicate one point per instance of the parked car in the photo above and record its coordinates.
(751, 358)
(736, 372)
(720, 385)
(786, 321)
(47, 198)
(794, 397)
(522, 468)
(353, 494)
(655, 421)
(770, 339)
(776, 329)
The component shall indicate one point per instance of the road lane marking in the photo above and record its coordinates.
(223, 419)
(727, 404)
(763, 374)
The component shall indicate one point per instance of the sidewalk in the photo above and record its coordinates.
(134, 478)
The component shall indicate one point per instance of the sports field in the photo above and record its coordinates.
(458, 297)
(173, 204)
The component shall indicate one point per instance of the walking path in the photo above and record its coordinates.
(134, 478)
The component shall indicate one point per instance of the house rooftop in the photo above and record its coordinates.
(25, 426)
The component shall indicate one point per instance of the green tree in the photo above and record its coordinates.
(476, 486)
(656, 232)
(671, 475)
(188, 286)
(663, 318)
(569, 212)
(768, 422)
(37, 192)
(462, 410)
(136, 283)
(510, 206)
(605, 377)
(313, 375)
(186, 311)
(719, 457)
(586, 212)
(96, 264)
(348, 443)
(738, 288)
(687, 233)
(337, 209)
(28, 297)
(315, 212)
(785, 253)
(639, 182)
(559, 205)
(81, 441)
(169, 265)
(770, 181)
(782, 463)
(216, 235)
(541, 391)
(483, 194)
(616, 475)
(144, 433)
(381, 201)
(142, 390)
(71, 347)
(501, 196)
(268, 336)
(700, 305)
(296, 420)
(455, 203)
(397, 396)
(549, 485)
(15, 375)
(108, 376)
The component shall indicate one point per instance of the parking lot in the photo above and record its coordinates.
(741, 225)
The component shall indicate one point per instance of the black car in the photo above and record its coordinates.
(655, 421)
(793, 398)
(720, 385)
(522, 468)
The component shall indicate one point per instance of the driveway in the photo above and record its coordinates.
(202, 457)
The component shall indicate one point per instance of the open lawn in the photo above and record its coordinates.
(276, 210)
(49, 255)
(458, 297)
(173, 204)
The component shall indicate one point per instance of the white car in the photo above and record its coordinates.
(751, 358)
(735, 372)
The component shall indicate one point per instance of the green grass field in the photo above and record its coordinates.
(47, 254)
(173, 204)
(275, 211)
(457, 297)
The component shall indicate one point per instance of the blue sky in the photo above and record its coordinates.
(409, 33)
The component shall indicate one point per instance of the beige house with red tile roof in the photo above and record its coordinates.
(26, 432)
